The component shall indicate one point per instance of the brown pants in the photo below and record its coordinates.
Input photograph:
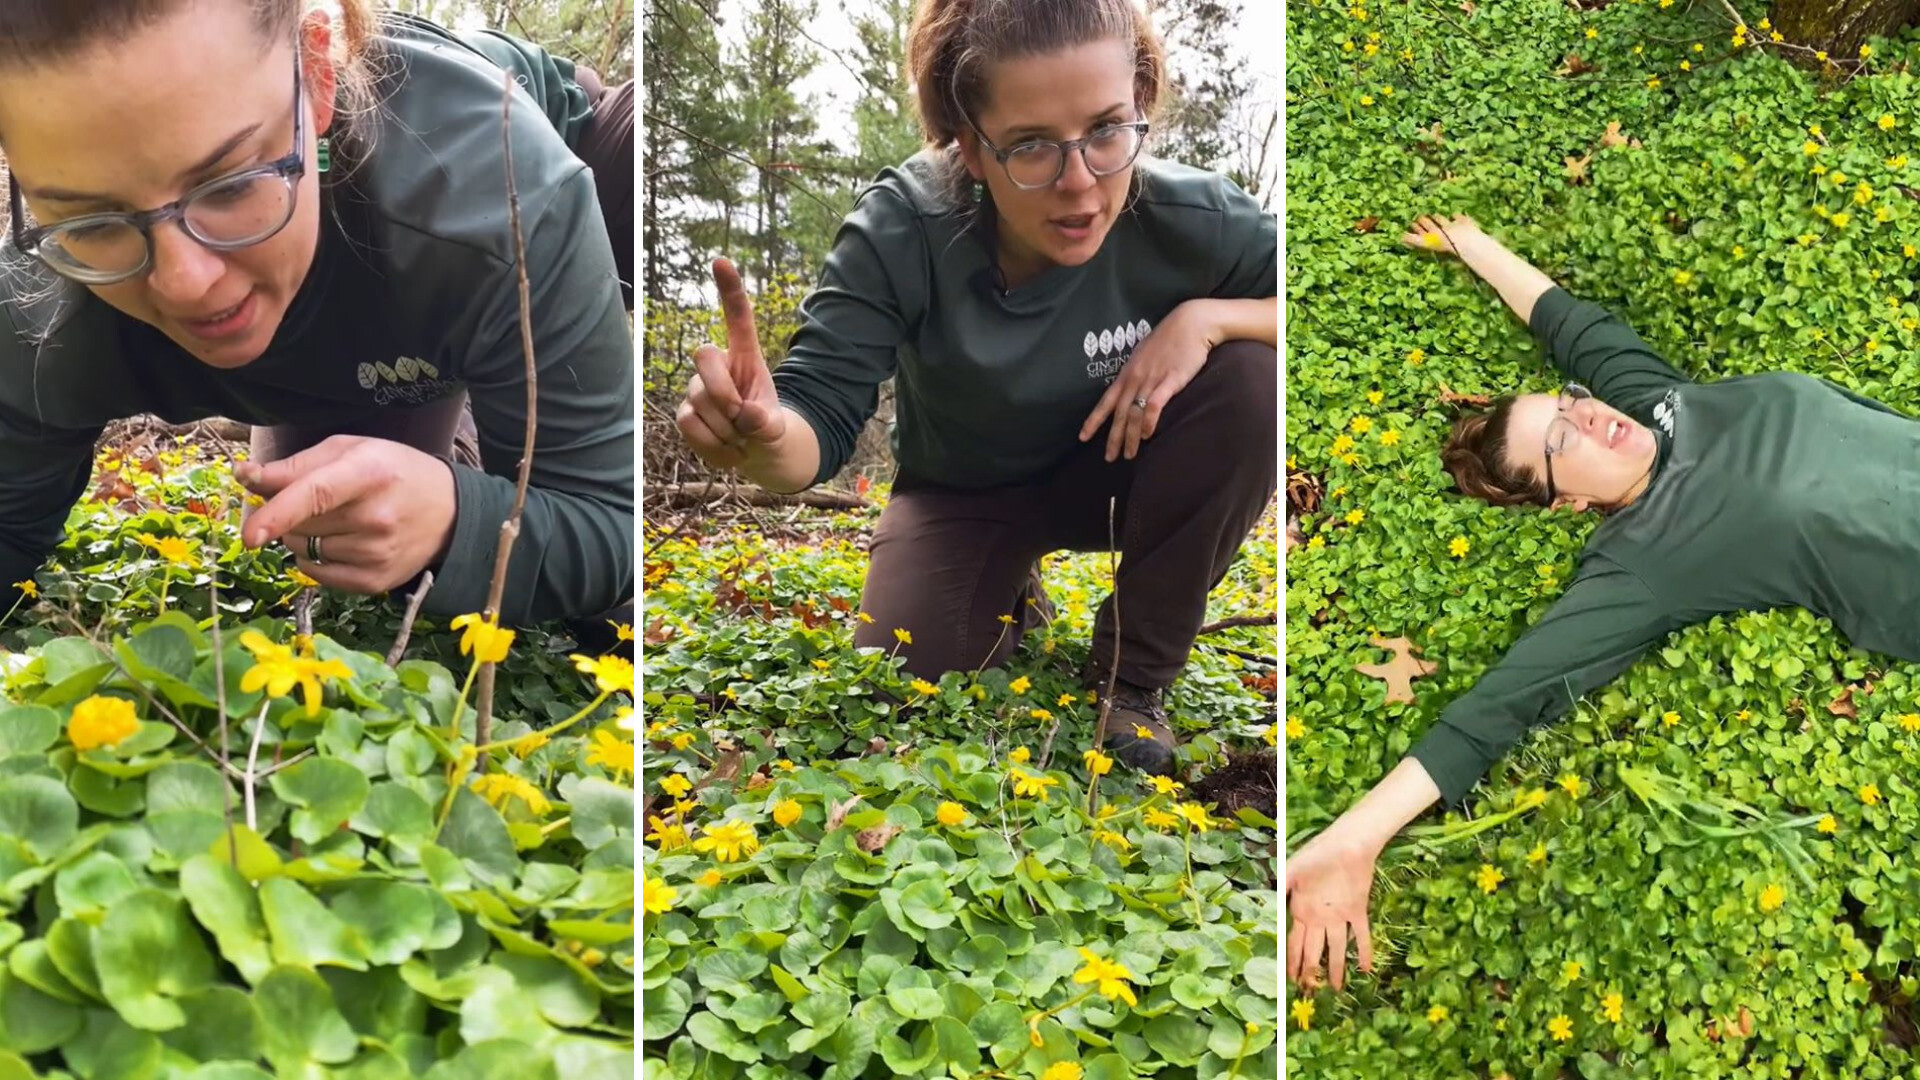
(947, 563)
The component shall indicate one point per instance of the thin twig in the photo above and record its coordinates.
(1241, 653)
(146, 694)
(1046, 747)
(253, 758)
(510, 528)
(303, 612)
(1237, 620)
(220, 700)
(1113, 669)
(406, 622)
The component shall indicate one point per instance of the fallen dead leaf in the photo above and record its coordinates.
(1843, 705)
(1366, 224)
(1399, 672)
(1573, 66)
(757, 781)
(876, 745)
(1449, 397)
(1577, 169)
(1434, 134)
(872, 840)
(837, 813)
(1469, 7)
(1613, 137)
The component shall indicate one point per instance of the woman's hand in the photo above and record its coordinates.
(1438, 234)
(1328, 882)
(730, 403)
(1161, 366)
(382, 510)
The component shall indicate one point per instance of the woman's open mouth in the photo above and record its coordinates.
(1074, 226)
(1617, 431)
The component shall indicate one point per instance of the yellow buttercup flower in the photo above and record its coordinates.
(1020, 685)
(1098, 763)
(1027, 785)
(500, 788)
(656, 896)
(1573, 785)
(612, 674)
(1538, 855)
(1020, 754)
(1610, 1007)
(1870, 794)
(709, 879)
(1570, 971)
(786, 812)
(950, 814)
(621, 631)
(611, 752)
(1112, 839)
(1458, 547)
(1828, 825)
(482, 637)
(1110, 977)
(676, 785)
(1436, 1014)
(1302, 1011)
(1488, 877)
(278, 671)
(902, 636)
(1772, 897)
(1296, 727)
(1195, 814)
(924, 688)
(1062, 1070)
(177, 550)
(681, 740)
(1560, 1028)
(524, 746)
(1165, 785)
(729, 841)
(666, 837)
(30, 587)
(1040, 714)
(101, 721)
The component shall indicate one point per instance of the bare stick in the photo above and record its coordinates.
(253, 758)
(1046, 747)
(510, 528)
(1241, 653)
(1113, 669)
(220, 699)
(303, 612)
(1237, 620)
(406, 622)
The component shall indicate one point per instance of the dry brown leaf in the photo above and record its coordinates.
(1399, 672)
(1304, 492)
(725, 769)
(1366, 224)
(837, 813)
(876, 745)
(1573, 66)
(1745, 1027)
(1577, 169)
(1434, 134)
(758, 780)
(1448, 397)
(1613, 137)
(1469, 7)
(872, 840)
(1843, 705)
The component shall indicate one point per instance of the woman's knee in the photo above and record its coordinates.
(1242, 380)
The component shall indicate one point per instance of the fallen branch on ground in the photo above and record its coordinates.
(699, 494)
(1237, 620)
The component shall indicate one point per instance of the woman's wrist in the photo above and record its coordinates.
(1218, 319)
(1404, 794)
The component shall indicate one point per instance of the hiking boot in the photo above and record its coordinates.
(1137, 707)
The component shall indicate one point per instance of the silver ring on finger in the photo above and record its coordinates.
(313, 551)
(1140, 403)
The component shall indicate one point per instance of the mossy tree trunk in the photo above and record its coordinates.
(1840, 27)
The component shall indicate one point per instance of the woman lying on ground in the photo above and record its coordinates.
(1744, 494)
(1030, 278)
(294, 214)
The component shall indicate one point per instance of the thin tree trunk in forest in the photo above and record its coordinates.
(1840, 27)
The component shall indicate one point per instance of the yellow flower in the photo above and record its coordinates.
(483, 638)
(1165, 785)
(676, 785)
(1316, 543)
(1488, 878)
(1772, 897)
(656, 896)
(1610, 1007)
(1765, 23)
(1064, 700)
(1020, 754)
(1538, 855)
(1361, 425)
(1828, 825)
(1777, 37)
(728, 841)
(1570, 971)
(525, 745)
(681, 740)
(902, 636)
(1040, 714)
(666, 837)
(864, 617)
(30, 587)
(101, 721)
(1897, 161)
(1303, 1009)
(1030, 786)
(1436, 1014)
(612, 674)
(1366, 100)
(823, 664)
(950, 814)
(1592, 33)
(1374, 397)
(1820, 55)
(498, 787)
(1533, 799)
(924, 688)
(1866, 51)
(786, 812)
(1271, 735)
(1572, 784)
(1062, 1070)
(1870, 794)
(1841, 219)
(1560, 1028)
(1111, 977)
(784, 765)
(1020, 685)
(1683, 278)
(1112, 839)
(1159, 819)
(1195, 814)
(612, 753)
(177, 550)
(709, 879)
(1669, 718)
(1459, 547)
(1355, 517)
(1390, 437)
(1809, 148)
(1858, 977)
(1006, 620)
(621, 631)
(1098, 763)
(1686, 65)
(295, 575)
(277, 670)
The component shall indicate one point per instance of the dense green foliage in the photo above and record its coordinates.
(1759, 224)
(847, 875)
(319, 886)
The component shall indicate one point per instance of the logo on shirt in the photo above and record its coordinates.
(406, 381)
(1664, 411)
(1109, 349)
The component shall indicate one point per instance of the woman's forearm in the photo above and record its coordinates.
(1518, 282)
(1397, 799)
(1240, 320)
(789, 463)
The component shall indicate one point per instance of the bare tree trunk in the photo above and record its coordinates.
(1839, 27)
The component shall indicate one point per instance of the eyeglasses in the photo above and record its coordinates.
(1108, 149)
(225, 214)
(1560, 429)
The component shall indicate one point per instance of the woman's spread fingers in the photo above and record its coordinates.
(1337, 955)
(1363, 940)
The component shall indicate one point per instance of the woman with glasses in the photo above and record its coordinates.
(1744, 494)
(1068, 321)
(307, 231)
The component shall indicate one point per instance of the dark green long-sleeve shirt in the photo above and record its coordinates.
(993, 386)
(412, 296)
(1773, 490)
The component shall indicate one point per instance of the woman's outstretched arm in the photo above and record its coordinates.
(1518, 281)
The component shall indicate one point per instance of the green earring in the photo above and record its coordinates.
(979, 191)
(323, 154)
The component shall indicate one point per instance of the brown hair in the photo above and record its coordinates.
(952, 43)
(1476, 455)
(45, 31)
